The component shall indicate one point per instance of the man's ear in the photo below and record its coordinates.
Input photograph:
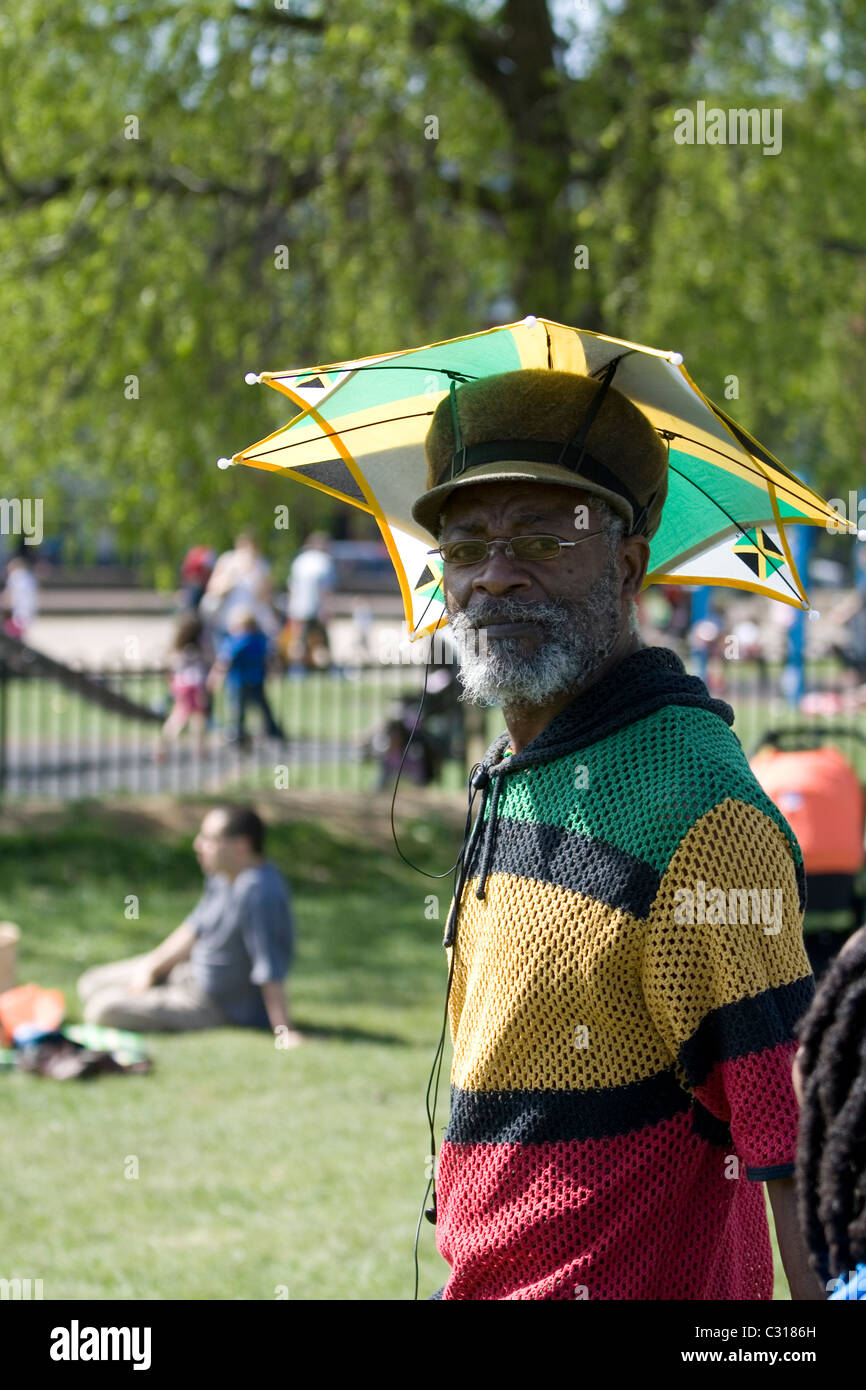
(634, 557)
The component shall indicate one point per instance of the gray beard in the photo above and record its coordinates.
(576, 639)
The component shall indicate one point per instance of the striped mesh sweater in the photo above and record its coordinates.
(628, 969)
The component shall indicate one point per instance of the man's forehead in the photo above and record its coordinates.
(472, 508)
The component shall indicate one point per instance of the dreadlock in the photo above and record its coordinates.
(831, 1152)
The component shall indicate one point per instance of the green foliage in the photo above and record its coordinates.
(260, 127)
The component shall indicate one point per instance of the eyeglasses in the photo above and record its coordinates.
(517, 548)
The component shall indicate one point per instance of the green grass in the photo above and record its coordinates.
(257, 1168)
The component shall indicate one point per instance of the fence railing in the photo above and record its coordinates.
(99, 733)
(342, 730)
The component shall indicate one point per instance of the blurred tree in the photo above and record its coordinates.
(190, 189)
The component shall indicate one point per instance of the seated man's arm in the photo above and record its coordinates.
(275, 996)
(269, 934)
(168, 953)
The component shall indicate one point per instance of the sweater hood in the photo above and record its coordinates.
(645, 681)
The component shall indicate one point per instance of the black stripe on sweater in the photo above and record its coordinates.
(749, 1025)
(556, 1117)
(564, 859)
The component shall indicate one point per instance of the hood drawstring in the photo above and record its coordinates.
(489, 838)
(479, 780)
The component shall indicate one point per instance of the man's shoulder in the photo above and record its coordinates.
(676, 741)
(262, 883)
(215, 884)
(646, 784)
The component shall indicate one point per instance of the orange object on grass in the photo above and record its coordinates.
(819, 795)
(30, 1004)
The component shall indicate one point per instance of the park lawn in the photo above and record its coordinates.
(261, 1173)
(259, 1170)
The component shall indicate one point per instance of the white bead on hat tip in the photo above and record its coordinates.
(675, 358)
(252, 378)
(224, 463)
(530, 321)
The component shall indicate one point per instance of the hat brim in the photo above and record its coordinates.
(429, 505)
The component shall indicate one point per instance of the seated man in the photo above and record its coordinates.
(225, 964)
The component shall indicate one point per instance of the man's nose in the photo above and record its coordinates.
(499, 575)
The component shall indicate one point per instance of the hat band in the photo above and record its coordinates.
(540, 451)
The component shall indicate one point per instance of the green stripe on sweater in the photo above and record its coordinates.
(644, 786)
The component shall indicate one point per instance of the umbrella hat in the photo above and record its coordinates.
(359, 430)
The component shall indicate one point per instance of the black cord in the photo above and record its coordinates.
(431, 1120)
(417, 867)
(438, 1056)
(433, 1079)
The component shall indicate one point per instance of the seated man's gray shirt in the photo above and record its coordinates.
(244, 938)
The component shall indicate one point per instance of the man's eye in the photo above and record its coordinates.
(536, 547)
(464, 552)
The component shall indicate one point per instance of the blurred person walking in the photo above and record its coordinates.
(241, 665)
(240, 580)
(190, 660)
(195, 572)
(312, 577)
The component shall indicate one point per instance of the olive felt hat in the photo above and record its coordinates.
(545, 426)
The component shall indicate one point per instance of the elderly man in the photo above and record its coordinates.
(225, 964)
(622, 1007)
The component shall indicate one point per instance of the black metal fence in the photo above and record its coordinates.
(102, 733)
(67, 733)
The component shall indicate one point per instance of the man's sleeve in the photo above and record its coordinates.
(268, 933)
(726, 977)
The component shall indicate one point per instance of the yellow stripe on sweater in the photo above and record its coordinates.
(535, 965)
(553, 990)
(691, 969)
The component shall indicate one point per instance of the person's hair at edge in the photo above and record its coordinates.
(242, 820)
(831, 1150)
(188, 633)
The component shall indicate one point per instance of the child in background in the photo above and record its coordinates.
(830, 1082)
(21, 596)
(189, 666)
(242, 664)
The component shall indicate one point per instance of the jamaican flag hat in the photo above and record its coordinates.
(540, 425)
